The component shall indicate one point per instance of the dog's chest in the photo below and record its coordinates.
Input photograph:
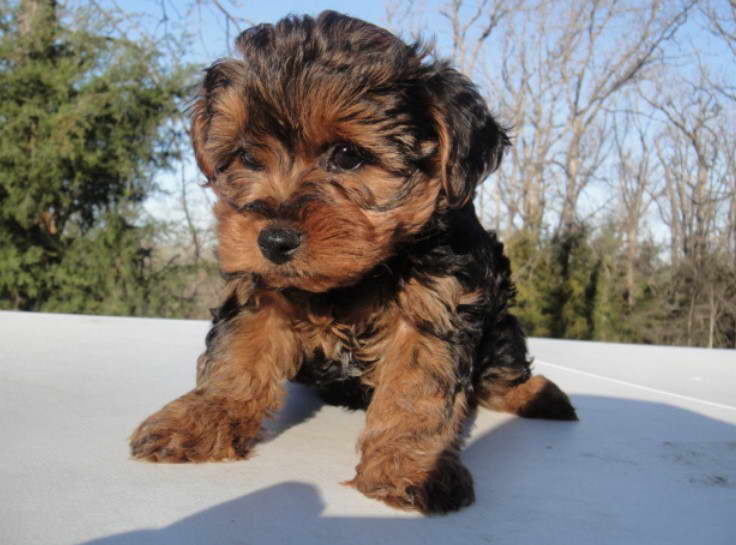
(338, 351)
(326, 370)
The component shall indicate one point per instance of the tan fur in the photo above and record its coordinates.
(537, 397)
(199, 136)
(344, 239)
(409, 425)
(236, 389)
(344, 285)
(439, 300)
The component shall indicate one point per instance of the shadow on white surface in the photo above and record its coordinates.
(630, 472)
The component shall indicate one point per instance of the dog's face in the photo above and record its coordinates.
(329, 144)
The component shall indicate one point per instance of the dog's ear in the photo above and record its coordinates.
(218, 77)
(470, 141)
(198, 133)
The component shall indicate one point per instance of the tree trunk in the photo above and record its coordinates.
(36, 12)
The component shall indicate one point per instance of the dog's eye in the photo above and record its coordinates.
(346, 157)
(249, 161)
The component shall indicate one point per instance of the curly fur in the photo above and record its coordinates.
(390, 297)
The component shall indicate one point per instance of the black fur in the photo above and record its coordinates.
(429, 125)
(485, 337)
(299, 52)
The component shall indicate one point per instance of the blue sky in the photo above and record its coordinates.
(210, 41)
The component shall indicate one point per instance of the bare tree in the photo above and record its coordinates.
(694, 150)
(690, 149)
(469, 34)
(721, 17)
(552, 71)
(634, 187)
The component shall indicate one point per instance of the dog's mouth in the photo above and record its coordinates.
(285, 279)
(290, 261)
(327, 245)
(293, 274)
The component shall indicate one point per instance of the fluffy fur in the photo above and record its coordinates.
(345, 162)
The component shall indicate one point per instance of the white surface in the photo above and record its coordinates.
(653, 459)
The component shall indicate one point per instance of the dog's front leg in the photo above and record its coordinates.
(410, 445)
(239, 383)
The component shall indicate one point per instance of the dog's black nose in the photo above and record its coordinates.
(278, 244)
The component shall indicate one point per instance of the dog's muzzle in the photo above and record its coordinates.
(278, 244)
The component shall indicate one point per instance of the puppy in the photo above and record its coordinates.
(345, 162)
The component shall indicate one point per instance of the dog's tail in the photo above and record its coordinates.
(528, 396)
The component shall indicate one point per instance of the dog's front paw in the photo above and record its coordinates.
(193, 428)
(448, 487)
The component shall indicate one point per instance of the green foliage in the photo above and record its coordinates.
(574, 285)
(558, 280)
(699, 302)
(570, 284)
(84, 123)
(111, 271)
(532, 268)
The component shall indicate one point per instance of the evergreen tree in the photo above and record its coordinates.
(534, 273)
(83, 126)
(569, 285)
